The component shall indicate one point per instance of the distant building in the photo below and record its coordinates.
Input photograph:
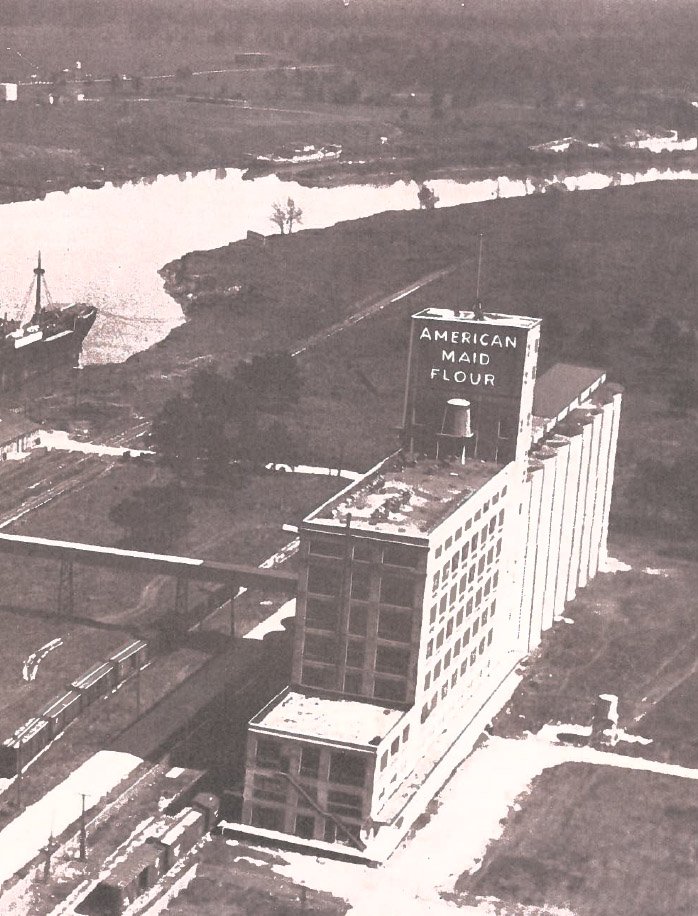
(18, 435)
(8, 92)
(423, 584)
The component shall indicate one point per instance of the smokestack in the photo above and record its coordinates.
(456, 429)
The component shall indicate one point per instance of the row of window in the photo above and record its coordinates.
(467, 662)
(345, 768)
(327, 578)
(366, 550)
(467, 553)
(331, 832)
(393, 625)
(394, 747)
(460, 644)
(385, 687)
(450, 541)
(472, 603)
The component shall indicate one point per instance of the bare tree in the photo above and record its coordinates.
(286, 216)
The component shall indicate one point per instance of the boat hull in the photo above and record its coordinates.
(58, 349)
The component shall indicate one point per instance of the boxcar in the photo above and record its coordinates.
(129, 658)
(185, 832)
(16, 752)
(62, 710)
(130, 878)
(95, 683)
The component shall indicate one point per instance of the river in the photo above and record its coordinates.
(106, 245)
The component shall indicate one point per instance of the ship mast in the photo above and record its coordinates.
(39, 273)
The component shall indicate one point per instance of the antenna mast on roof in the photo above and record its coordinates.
(478, 310)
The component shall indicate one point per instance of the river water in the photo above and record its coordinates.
(106, 245)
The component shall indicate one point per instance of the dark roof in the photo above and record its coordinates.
(561, 385)
(12, 426)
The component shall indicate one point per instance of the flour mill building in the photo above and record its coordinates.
(424, 583)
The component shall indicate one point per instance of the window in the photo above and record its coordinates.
(483, 619)
(489, 638)
(480, 565)
(464, 553)
(432, 614)
(466, 637)
(471, 574)
(358, 620)
(486, 507)
(440, 639)
(483, 535)
(487, 587)
(405, 733)
(387, 689)
(456, 648)
(457, 535)
(495, 580)
(400, 555)
(495, 499)
(320, 648)
(427, 681)
(463, 583)
(397, 590)
(476, 627)
(326, 547)
(437, 670)
(384, 761)
(449, 627)
(500, 519)
(459, 617)
(352, 682)
(452, 595)
(464, 666)
(490, 555)
(447, 659)
(449, 542)
(356, 653)
(444, 691)
(493, 608)
(425, 714)
(395, 747)
(395, 625)
(347, 769)
(498, 548)
(305, 826)
(324, 578)
(430, 648)
(473, 656)
(481, 647)
(435, 583)
(346, 804)
(268, 754)
(477, 515)
(455, 560)
(492, 525)
(267, 818)
(469, 607)
(321, 615)
(315, 676)
(445, 571)
(454, 678)
(442, 605)
(363, 550)
(478, 597)
(310, 761)
(360, 585)
(473, 542)
(392, 660)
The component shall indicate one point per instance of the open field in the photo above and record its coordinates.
(597, 841)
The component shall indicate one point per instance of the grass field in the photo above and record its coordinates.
(597, 841)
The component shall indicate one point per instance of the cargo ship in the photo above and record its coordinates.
(297, 155)
(50, 340)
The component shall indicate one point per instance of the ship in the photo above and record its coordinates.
(52, 339)
(297, 155)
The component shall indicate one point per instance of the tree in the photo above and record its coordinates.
(286, 216)
(272, 379)
(153, 517)
(427, 198)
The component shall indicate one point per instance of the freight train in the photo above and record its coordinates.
(31, 738)
(143, 866)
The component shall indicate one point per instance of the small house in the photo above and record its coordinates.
(18, 434)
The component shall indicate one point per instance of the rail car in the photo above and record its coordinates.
(142, 867)
(17, 751)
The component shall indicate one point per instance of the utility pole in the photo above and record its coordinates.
(19, 778)
(138, 691)
(83, 829)
(49, 849)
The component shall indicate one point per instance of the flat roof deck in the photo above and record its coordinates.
(413, 499)
(323, 719)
